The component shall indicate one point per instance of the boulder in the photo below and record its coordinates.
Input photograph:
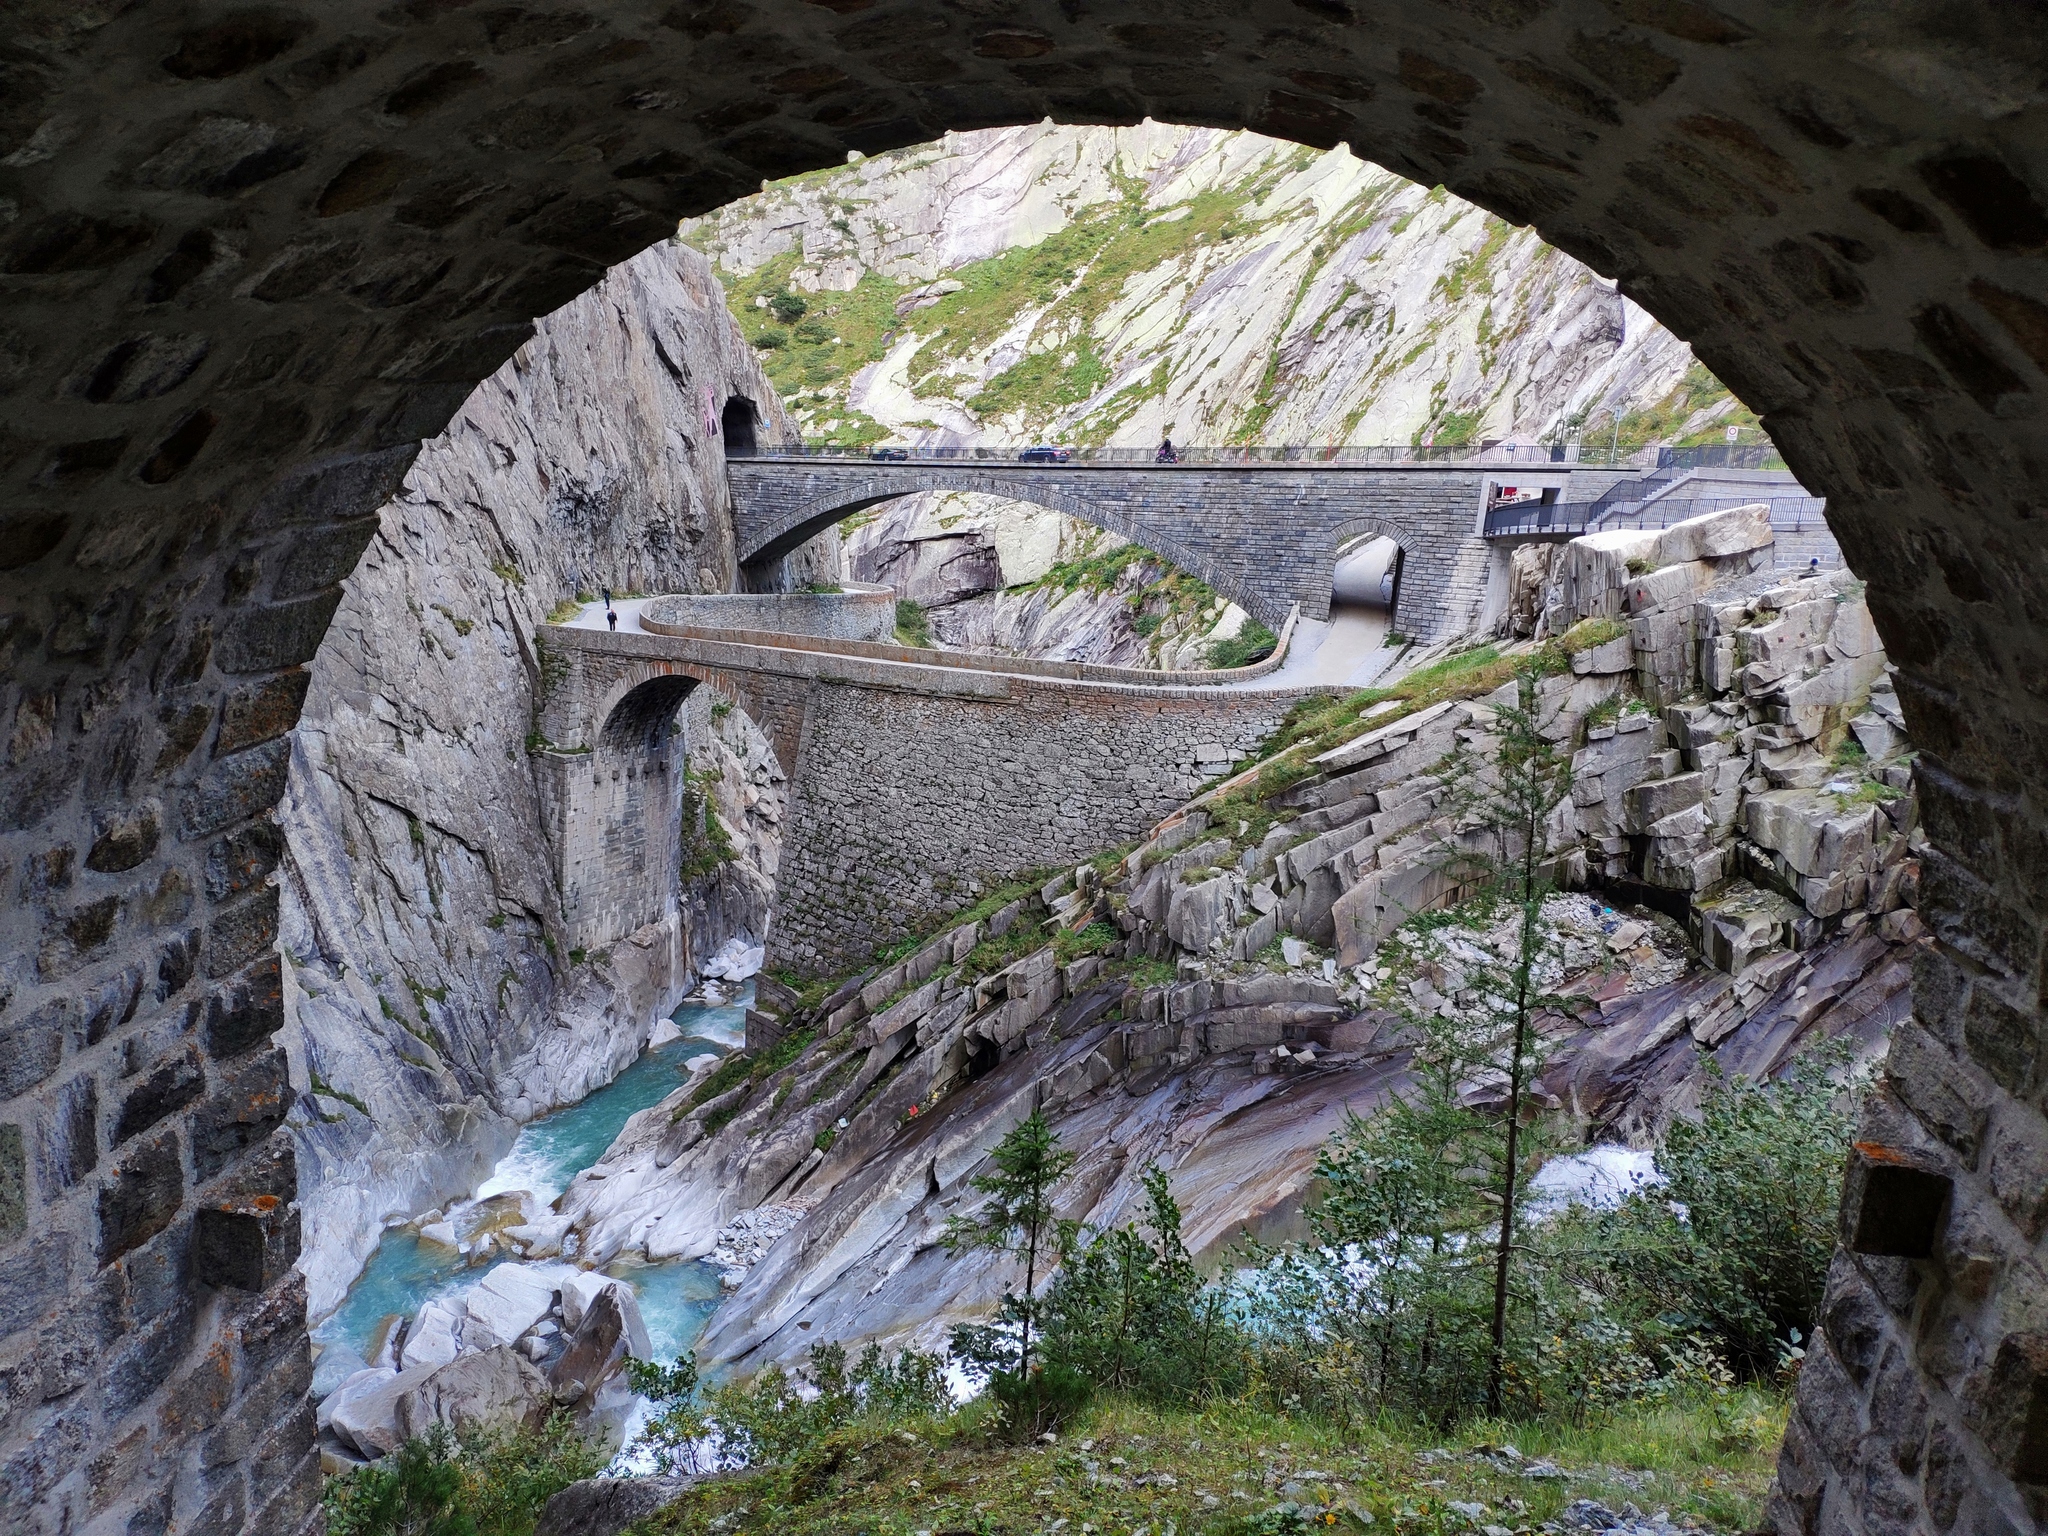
(504, 1304)
(604, 1506)
(608, 1330)
(496, 1386)
(1717, 535)
(433, 1338)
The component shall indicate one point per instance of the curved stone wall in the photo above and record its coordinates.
(251, 257)
(857, 612)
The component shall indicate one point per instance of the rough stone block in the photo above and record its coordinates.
(250, 1103)
(236, 788)
(276, 636)
(249, 1010)
(122, 839)
(68, 1135)
(241, 932)
(141, 1198)
(261, 712)
(13, 1183)
(32, 1046)
(169, 1086)
(2013, 1407)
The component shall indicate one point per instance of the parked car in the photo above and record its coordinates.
(1045, 453)
(892, 455)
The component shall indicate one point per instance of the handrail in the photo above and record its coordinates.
(1210, 455)
(1789, 514)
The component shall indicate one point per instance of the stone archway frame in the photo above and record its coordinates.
(236, 304)
(1363, 530)
(815, 516)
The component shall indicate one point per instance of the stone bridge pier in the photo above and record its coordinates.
(1264, 535)
(908, 781)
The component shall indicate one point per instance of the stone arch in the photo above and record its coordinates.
(638, 721)
(236, 306)
(1360, 530)
(814, 517)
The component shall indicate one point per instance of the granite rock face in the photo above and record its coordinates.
(431, 1005)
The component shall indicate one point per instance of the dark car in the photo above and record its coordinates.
(893, 455)
(1045, 453)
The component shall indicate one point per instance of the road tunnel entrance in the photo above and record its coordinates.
(737, 423)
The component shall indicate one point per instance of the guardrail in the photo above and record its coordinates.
(1232, 454)
(1569, 519)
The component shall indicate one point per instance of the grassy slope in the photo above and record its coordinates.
(1230, 1467)
(1066, 283)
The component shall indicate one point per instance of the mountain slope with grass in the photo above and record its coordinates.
(1106, 286)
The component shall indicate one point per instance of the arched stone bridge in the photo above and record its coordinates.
(1264, 535)
(904, 774)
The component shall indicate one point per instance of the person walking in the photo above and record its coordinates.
(606, 593)
(611, 618)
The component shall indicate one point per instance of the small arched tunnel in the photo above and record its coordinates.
(737, 423)
(1365, 584)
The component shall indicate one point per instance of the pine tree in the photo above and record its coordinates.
(1018, 1216)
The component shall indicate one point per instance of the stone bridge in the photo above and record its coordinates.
(908, 777)
(1264, 535)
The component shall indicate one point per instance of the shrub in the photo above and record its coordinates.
(913, 627)
(485, 1483)
(779, 1414)
(787, 307)
(1735, 1244)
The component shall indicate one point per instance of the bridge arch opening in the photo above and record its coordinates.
(643, 720)
(737, 424)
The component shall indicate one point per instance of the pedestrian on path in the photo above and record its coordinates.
(606, 593)
(611, 618)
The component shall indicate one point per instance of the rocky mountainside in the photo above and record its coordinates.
(1109, 285)
(430, 1007)
(1217, 1000)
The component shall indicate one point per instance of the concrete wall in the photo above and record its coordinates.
(1264, 535)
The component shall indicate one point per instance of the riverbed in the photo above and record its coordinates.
(676, 1299)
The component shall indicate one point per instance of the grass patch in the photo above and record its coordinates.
(913, 625)
(1589, 633)
(1253, 643)
(1233, 1470)
(565, 610)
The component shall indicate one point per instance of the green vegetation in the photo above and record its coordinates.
(913, 626)
(1253, 643)
(1697, 391)
(482, 1484)
(565, 610)
(706, 845)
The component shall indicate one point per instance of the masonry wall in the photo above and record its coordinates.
(909, 803)
(1263, 535)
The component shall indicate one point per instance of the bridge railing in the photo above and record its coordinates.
(1568, 519)
(1230, 453)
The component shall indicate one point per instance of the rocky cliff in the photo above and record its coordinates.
(1217, 1000)
(430, 1006)
(1110, 285)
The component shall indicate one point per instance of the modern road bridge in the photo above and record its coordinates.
(1265, 535)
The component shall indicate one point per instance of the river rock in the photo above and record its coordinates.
(604, 1506)
(608, 1330)
(490, 1387)
(435, 1335)
(505, 1304)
